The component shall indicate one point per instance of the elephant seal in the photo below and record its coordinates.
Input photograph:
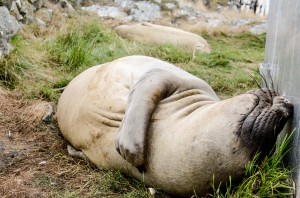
(168, 123)
(158, 34)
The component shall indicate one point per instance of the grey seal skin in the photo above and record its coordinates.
(142, 113)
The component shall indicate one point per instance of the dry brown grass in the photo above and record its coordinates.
(34, 160)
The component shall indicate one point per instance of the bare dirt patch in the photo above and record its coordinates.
(34, 161)
(28, 149)
(20, 140)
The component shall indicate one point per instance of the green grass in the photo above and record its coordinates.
(87, 45)
(226, 68)
(84, 44)
(15, 65)
(51, 62)
(267, 178)
(169, 53)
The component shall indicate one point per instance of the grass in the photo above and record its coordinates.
(45, 61)
(228, 69)
(267, 178)
(13, 67)
(84, 42)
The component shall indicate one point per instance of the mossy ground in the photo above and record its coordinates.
(44, 61)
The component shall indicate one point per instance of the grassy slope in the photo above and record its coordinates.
(44, 61)
(229, 69)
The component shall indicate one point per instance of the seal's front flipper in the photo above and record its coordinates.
(145, 95)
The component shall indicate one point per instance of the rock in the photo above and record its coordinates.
(214, 15)
(44, 14)
(37, 113)
(65, 4)
(126, 5)
(8, 28)
(241, 22)
(214, 23)
(18, 3)
(43, 162)
(107, 12)
(77, 2)
(6, 3)
(170, 6)
(128, 10)
(186, 10)
(146, 11)
(157, 34)
(151, 191)
(26, 10)
(40, 23)
(259, 29)
(15, 11)
(5, 48)
(38, 4)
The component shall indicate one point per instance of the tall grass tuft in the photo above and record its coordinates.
(15, 65)
(267, 178)
(74, 48)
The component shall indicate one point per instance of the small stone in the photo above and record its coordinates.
(10, 136)
(45, 14)
(107, 12)
(151, 191)
(41, 24)
(259, 29)
(65, 4)
(43, 163)
(38, 4)
(170, 6)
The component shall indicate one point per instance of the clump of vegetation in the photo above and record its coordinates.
(76, 47)
(267, 178)
(127, 186)
(15, 65)
(169, 53)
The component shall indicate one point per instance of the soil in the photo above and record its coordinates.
(26, 146)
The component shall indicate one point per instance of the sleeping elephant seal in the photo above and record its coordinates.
(168, 123)
(164, 35)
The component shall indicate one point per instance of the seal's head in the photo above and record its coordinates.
(260, 127)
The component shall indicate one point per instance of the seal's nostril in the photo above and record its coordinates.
(286, 101)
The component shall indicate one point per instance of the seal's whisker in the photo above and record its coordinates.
(272, 82)
(266, 83)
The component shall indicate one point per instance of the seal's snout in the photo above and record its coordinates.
(259, 128)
